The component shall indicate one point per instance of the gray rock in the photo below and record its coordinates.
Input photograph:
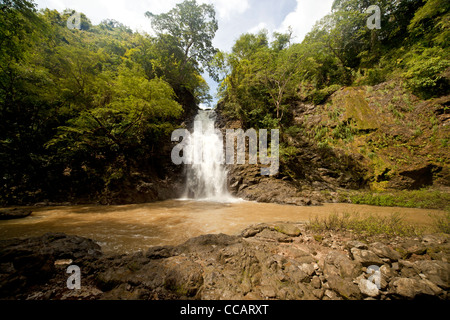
(437, 272)
(366, 257)
(337, 263)
(344, 287)
(410, 288)
(410, 247)
(383, 251)
(356, 244)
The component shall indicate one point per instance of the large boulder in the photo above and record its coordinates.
(25, 262)
(366, 257)
(407, 288)
(437, 272)
(383, 251)
(9, 214)
(337, 263)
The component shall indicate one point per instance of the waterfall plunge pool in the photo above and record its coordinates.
(131, 228)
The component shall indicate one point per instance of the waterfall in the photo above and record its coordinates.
(206, 177)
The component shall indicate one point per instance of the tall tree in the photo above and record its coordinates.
(193, 27)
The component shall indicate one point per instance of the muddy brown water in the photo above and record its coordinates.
(131, 228)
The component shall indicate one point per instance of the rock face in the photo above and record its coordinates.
(266, 261)
(9, 214)
(28, 262)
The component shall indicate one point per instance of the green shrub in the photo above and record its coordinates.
(319, 96)
(441, 222)
(425, 199)
(425, 73)
(366, 225)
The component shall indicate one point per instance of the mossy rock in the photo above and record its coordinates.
(358, 110)
(290, 230)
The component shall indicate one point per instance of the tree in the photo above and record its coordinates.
(193, 27)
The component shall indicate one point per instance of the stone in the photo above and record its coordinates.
(331, 295)
(307, 268)
(253, 230)
(318, 293)
(410, 288)
(410, 247)
(383, 251)
(268, 292)
(368, 288)
(366, 258)
(344, 287)
(437, 272)
(356, 244)
(337, 263)
(288, 229)
(316, 283)
(10, 214)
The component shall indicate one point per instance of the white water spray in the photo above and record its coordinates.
(207, 175)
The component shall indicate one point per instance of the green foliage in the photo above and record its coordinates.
(425, 72)
(193, 28)
(365, 225)
(412, 199)
(441, 222)
(321, 95)
(82, 109)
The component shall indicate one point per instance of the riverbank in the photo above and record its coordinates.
(264, 261)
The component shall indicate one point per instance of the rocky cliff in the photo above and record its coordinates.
(371, 137)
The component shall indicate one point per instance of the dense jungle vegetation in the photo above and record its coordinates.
(81, 110)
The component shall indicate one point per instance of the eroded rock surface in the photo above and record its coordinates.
(266, 261)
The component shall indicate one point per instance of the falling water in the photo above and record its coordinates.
(207, 175)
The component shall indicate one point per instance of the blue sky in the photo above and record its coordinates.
(235, 17)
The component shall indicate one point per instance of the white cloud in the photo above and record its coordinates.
(227, 8)
(306, 14)
(132, 13)
(259, 27)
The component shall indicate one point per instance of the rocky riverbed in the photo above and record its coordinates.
(265, 261)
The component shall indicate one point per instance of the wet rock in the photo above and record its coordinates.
(160, 252)
(10, 214)
(366, 257)
(31, 261)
